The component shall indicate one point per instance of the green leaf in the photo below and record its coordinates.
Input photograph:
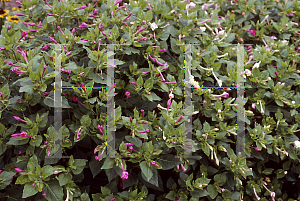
(32, 163)
(108, 163)
(49, 101)
(17, 141)
(5, 179)
(50, 19)
(22, 179)
(29, 190)
(212, 191)
(85, 120)
(135, 141)
(220, 179)
(174, 46)
(168, 161)
(149, 15)
(84, 197)
(2, 148)
(27, 88)
(95, 167)
(64, 178)
(79, 164)
(146, 170)
(53, 190)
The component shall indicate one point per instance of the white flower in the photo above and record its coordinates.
(203, 29)
(297, 144)
(248, 72)
(293, 102)
(257, 65)
(192, 5)
(153, 26)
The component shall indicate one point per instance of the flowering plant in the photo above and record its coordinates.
(153, 125)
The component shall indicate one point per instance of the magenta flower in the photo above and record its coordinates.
(189, 147)
(127, 94)
(50, 14)
(19, 119)
(24, 56)
(117, 2)
(33, 25)
(131, 148)
(120, 8)
(2, 48)
(162, 50)
(18, 170)
(1, 95)
(82, 7)
(58, 27)
(255, 148)
(46, 47)
(101, 153)
(128, 144)
(149, 7)
(126, 24)
(95, 12)
(162, 77)
(96, 150)
(143, 38)
(32, 30)
(183, 168)
(276, 73)
(168, 105)
(133, 83)
(141, 29)
(25, 23)
(205, 21)
(48, 152)
(179, 119)
(46, 2)
(44, 194)
(16, 70)
(22, 135)
(23, 34)
(113, 66)
(147, 72)
(126, 18)
(83, 25)
(79, 133)
(124, 173)
(174, 82)
(100, 129)
(52, 39)
(153, 59)
(18, 2)
(146, 131)
(252, 32)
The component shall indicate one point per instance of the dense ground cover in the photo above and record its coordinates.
(151, 80)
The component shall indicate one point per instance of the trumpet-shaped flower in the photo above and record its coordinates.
(80, 8)
(18, 170)
(83, 25)
(22, 135)
(19, 119)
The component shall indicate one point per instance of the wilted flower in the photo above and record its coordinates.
(252, 32)
(22, 135)
(297, 144)
(248, 72)
(256, 65)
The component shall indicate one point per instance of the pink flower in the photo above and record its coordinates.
(126, 18)
(58, 27)
(2, 48)
(96, 150)
(46, 47)
(128, 144)
(18, 2)
(252, 32)
(127, 94)
(104, 34)
(168, 105)
(44, 194)
(253, 105)
(117, 2)
(189, 147)
(23, 34)
(179, 119)
(33, 25)
(183, 168)
(112, 199)
(174, 82)
(48, 152)
(149, 7)
(24, 24)
(83, 25)
(276, 73)
(50, 14)
(143, 38)
(19, 119)
(146, 131)
(22, 135)
(255, 148)
(52, 39)
(79, 133)
(133, 83)
(162, 50)
(18, 170)
(46, 2)
(205, 21)
(101, 153)
(24, 56)
(141, 29)
(82, 7)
